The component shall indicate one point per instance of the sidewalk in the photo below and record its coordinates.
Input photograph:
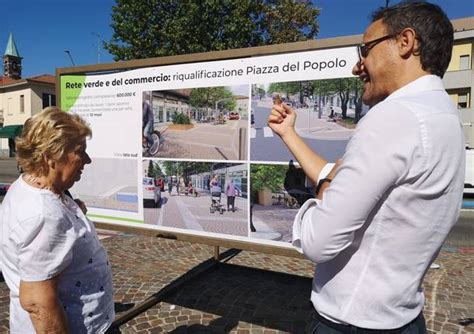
(204, 141)
(308, 125)
(253, 292)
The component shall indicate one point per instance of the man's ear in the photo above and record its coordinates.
(407, 43)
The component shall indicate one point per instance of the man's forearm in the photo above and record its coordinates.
(311, 162)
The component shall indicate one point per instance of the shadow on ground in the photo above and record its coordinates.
(236, 294)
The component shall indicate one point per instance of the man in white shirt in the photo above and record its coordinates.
(381, 218)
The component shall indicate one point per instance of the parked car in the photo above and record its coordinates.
(234, 116)
(151, 193)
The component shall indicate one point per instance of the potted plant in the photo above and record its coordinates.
(265, 179)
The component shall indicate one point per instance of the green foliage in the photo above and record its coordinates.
(154, 28)
(345, 88)
(208, 96)
(154, 170)
(181, 118)
(267, 176)
(284, 21)
(288, 88)
(185, 168)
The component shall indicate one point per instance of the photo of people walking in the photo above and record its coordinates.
(201, 196)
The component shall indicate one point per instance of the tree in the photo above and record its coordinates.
(267, 176)
(153, 28)
(154, 170)
(207, 97)
(284, 21)
(185, 169)
(358, 90)
(289, 88)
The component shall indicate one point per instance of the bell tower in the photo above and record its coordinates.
(12, 60)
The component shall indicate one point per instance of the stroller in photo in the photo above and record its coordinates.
(216, 205)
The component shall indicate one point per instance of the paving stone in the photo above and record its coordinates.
(239, 297)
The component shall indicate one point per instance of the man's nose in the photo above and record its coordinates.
(357, 69)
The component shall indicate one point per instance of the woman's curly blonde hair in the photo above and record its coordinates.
(49, 135)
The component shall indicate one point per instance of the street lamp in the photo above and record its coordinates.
(70, 57)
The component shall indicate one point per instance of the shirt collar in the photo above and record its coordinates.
(424, 83)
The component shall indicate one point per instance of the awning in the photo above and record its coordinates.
(10, 131)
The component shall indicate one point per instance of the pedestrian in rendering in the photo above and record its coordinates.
(177, 186)
(382, 217)
(170, 185)
(230, 193)
(52, 260)
(214, 181)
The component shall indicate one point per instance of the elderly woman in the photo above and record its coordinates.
(57, 270)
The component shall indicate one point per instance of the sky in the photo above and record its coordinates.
(44, 29)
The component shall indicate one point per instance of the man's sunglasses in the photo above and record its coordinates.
(364, 48)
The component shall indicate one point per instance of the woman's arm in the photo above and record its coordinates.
(41, 301)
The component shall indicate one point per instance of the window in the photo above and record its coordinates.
(464, 62)
(9, 106)
(49, 100)
(462, 101)
(22, 104)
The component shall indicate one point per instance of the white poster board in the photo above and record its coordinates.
(214, 144)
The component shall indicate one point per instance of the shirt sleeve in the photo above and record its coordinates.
(44, 247)
(325, 171)
(377, 158)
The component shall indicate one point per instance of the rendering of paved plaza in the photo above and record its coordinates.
(193, 213)
(205, 141)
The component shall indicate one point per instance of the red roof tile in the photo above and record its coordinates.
(44, 78)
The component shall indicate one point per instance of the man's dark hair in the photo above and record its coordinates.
(434, 31)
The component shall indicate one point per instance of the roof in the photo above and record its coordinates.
(466, 23)
(43, 78)
(11, 49)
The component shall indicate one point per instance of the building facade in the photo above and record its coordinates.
(459, 79)
(20, 98)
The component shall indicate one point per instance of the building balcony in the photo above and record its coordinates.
(458, 79)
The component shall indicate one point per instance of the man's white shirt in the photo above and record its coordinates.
(388, 211)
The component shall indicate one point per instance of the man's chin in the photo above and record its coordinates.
(371, 101)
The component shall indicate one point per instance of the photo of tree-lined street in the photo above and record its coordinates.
(277, 192)
(193, 195)
(327, 113)
(209, 123)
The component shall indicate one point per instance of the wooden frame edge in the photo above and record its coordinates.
(206, 240)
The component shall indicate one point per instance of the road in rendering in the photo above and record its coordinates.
(327, 138)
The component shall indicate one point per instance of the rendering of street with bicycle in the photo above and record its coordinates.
(199, 123)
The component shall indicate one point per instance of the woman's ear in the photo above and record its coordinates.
(50, 162)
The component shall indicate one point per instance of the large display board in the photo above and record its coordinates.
(218, 169)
